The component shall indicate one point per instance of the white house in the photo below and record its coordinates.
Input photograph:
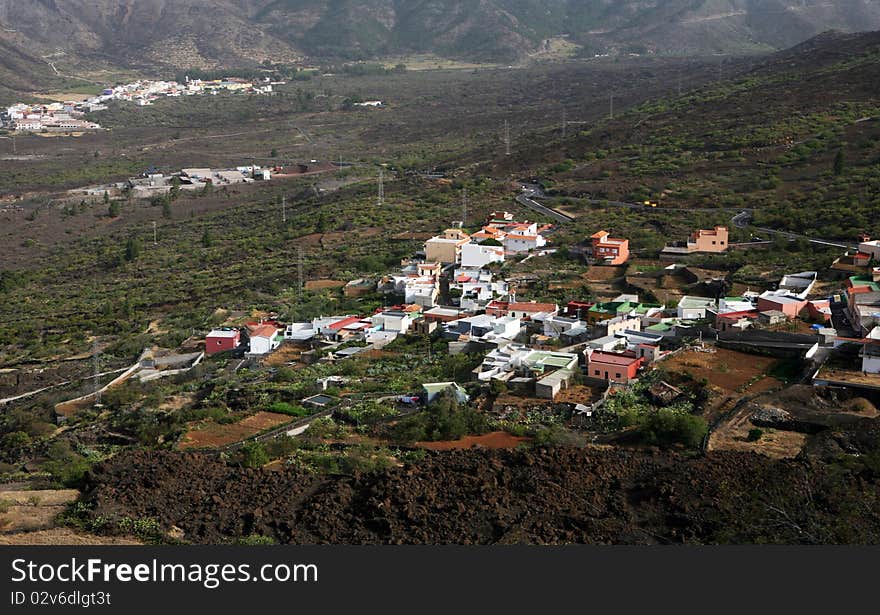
(474, 255)
(395, 321)
(694, 308)
(871, 358)
(728, 305)
(799, 284)
(264, 339)
(484, 328)
(555, 326)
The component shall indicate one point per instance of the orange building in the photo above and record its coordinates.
(714, 240)
(609, 250)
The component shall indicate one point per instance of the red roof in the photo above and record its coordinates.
(336, 326)
(534, 308)
(264, 331)
(742, 314)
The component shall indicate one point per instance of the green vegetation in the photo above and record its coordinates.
(254, 455)
(443, 419)
(665, 426)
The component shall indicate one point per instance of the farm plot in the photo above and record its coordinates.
(493, 440)
(213, 435)
(733, 435)
(726, 370)
(22, 511)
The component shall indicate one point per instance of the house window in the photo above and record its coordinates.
(617, 375)
(598, 373)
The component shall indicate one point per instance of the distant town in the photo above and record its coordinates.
(70, 115)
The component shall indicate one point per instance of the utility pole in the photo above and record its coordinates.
(464, 206)
(506, 138)
(284, 209)
(611, 107)
(564, 124)
(96, 360)
(381, 200)
(155, 235)
(299, 268)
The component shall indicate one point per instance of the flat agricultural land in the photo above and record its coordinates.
(493, 440)
(732, 435)
(212, 435)
(724, 369)
(33, 510)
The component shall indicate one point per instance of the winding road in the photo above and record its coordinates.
(742, 220)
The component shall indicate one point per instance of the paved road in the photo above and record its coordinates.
(526, 199)
(741, 220)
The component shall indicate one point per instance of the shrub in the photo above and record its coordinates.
(754, 435)
(667, 427)
(281, 407)
(254, 455)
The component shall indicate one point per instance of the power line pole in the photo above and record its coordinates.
(155, 235)
(96, 360)
(564, 124)
(464, 206)
(299, 268)
(611, 107)
(506, 138)
(381, 200)
(284, 210)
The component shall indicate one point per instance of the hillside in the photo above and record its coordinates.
(152, 34)
(763, 138)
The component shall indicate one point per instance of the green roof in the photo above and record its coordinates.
(865, 280)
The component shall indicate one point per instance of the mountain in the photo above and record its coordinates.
(207, 33)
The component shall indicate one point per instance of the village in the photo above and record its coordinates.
(155, 184)
(580, 356)
(69, 116)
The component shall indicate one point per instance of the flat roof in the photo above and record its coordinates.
(611, 358)
(223, 334)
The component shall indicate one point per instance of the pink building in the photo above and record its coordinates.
(619, 367)
(609, 250)
(790, 306)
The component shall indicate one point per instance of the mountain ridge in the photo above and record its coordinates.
(185, 33)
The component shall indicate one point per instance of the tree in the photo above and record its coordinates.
(274, 153)
(106, 197)
(132, 249)
(113, 209)
(254, 455)
(207, 239)
(838, 162)
(166, 208)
